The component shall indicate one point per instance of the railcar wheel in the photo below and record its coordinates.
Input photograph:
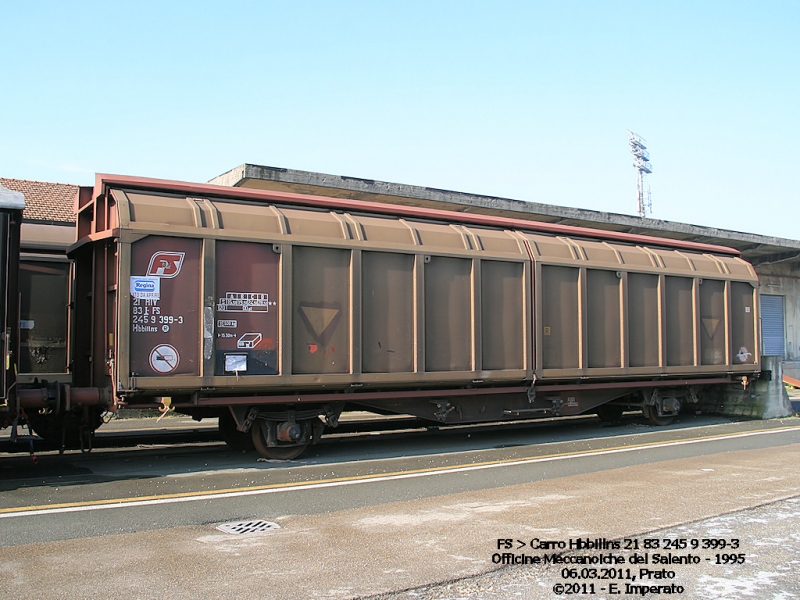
(651, 414)
(70, 431)
(609, 413)
(260, 431)
(235, 439)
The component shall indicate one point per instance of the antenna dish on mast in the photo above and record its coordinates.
(641, 162)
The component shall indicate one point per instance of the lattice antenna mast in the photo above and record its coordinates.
(641, 162)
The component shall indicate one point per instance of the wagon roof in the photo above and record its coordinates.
(105, 181)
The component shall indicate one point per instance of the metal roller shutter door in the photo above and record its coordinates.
(772, 325)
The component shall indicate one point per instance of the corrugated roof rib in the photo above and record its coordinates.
(52, 202)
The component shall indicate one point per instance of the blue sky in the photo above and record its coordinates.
(525, 100)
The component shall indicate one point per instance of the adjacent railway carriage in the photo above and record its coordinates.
(11, 206)
(277, 311)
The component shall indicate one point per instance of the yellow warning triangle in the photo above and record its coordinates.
(710, 325)
(319, 318)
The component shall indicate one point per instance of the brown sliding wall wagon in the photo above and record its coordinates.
(277, 311)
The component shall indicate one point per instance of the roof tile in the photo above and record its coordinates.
(44, 201)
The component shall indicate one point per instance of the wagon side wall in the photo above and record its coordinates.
(606, 310)
(224, 296)
(231, 298)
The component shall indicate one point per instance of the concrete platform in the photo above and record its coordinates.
(390, 546)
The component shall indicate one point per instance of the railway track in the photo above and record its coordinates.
(133, 433)
(354, 431)
(146, 433)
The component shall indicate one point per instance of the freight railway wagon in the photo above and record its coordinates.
(277, 311)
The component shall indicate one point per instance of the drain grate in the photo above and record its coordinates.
(240, 527)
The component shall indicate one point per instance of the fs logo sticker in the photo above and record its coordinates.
(165, 264)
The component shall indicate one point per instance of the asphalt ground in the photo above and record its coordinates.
(395, 522)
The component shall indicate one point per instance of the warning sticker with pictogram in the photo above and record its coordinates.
(710, 325)
(320, 319)
(164, 359)
(249, 340)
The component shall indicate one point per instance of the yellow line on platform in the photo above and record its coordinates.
(337, 481)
